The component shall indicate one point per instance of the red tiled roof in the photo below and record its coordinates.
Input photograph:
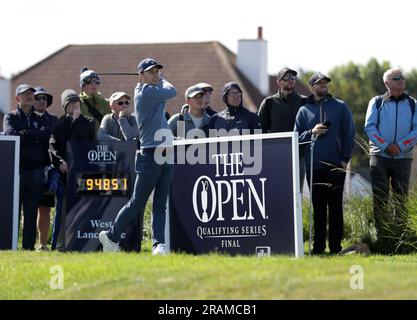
(184, 64)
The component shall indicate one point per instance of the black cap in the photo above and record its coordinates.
(317, 77)
(284, 71)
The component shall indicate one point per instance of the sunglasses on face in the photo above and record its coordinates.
(92, 80)
(41, 98)
(397, 78)
(120, 103)
(288, 78)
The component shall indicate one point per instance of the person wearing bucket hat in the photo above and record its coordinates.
(327, 123)
(34, 139)
(71, 126)
(192, 116)
(42, 101)
(120, 125)
(93, 104)
(154, 167)
(235, 117)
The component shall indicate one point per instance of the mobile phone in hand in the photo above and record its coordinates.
(327, 124)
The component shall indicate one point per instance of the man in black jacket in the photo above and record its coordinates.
(235, 119)
(71, 126)
(34, 137)
(277, 112)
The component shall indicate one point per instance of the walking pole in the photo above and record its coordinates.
(313, 141)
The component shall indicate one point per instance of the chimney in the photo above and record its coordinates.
(252, 61)
(260, 33)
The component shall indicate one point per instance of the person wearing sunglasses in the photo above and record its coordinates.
(120, 125)
(43, 99)
(391, 126)
(277, 112)
(93, 104)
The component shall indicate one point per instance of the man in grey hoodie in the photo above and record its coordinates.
(151, 93)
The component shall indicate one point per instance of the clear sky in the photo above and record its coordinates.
(309, 34)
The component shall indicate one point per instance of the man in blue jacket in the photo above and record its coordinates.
(151, 93)
(391, 126)
(328, 123)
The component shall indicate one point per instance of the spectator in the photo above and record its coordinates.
(42, 101)
(93, 104)
(120, 125)
(328, 122)
(391, 126)
(23, 122)
(208, 91)
(277, 113)
(71, 126)
(151, 93)
(192, 117)
(236, 117)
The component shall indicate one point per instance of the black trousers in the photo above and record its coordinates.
(386, 172)
(31, 189)
(327, 199)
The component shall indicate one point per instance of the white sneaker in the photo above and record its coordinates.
(108, 245)
(160, 250)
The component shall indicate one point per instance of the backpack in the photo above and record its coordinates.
(378, 104)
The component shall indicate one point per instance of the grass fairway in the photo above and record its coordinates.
(26, 275)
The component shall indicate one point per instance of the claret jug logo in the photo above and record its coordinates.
(229, 188)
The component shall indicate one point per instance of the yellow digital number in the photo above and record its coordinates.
(97, 184)
(114, 184)
(124, 184)
(90, 184)
(106, 184)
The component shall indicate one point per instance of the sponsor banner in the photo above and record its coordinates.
(100, 182)
(238, 195)
(9, 195)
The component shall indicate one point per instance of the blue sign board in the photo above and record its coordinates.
(238, 195)
(100, 182)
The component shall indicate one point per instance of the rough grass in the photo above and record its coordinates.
(27, 275)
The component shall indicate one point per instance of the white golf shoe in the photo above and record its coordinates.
(108, 245)
(160, 250)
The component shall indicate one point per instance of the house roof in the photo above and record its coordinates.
(184, 64)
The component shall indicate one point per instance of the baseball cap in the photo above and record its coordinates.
(317, 77)
(205, 86)
(147, 64)
(284, 71)
(193, 91)
(22, 88)
(117, 95)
